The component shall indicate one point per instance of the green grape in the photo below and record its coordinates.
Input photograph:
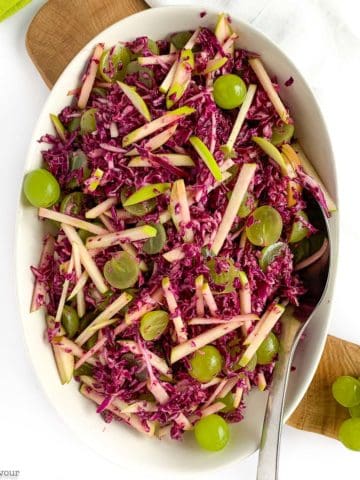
(73, 203)
(145, 75)
(155, 244)
(84, 234)
(268, 349)
(205, 364)
(229, 91)
(74, 124)
(355, 411)
(349, 434)
(316, 242)
(282, 134)
(226, 275)
(247, 205)
(264, 226)
(180, 39)
(139, 209)
(84, 369)
(70, 321)
(122, 272)
(229, 403)
(346, 391)
(153, 324)
(88, 121)
(153, 47)
(268, 254)
(78, 160)
(100, 92)
(41, 188)
(119, 58)
(212, 433)
(301, 251)
(299, 231)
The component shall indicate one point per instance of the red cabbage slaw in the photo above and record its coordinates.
(103, 148)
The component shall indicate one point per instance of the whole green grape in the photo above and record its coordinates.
(229, 91)
(212, 433)
(268, 349)
(41, 188)
(349, 433)
(346, 391)
(206, 363)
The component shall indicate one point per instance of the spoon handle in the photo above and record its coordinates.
(273, 421)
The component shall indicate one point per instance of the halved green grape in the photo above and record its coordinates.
(119, 57)
(100, 92)
(247, 205)
(91, 342)
(264, 226)
(221, 270)
(229, 91)
(268, 254)
(301, 251)
(122, 272)
(145, 75)
(346, 391)
(84, 369)
(153, 46)
(282, 134)
(212, 432)
(70, 321)
(349, 434)
(139, 209)
(206, 363)
(74, 124)
(180, 39)
(78, 160)
(229, 403)
(73, 203)
(86, 320)
(355, 411)
(41, 188)
(153, 324)
(268, 349)
(299, 231)
(155, 244)
(88, 121)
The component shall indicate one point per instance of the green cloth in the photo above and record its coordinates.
(9, 7)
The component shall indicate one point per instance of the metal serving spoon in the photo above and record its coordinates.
(294, 322)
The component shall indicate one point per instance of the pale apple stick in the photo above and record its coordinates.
(90, 76)
(174, 310)
(216, 392)
(101, 208)
(212, 382)
(174, 159)
(262, 333)
(156, 141)
(174, 255)
(131, 419)
(141, 406)
(88, 263)
(200, 305)
(73, 221)
(230, 384)
(261, 381)
(213, 65)
(80, 297)
(69, 346)
(147, 306)
(245, 300)
(106, 314)
(209, 299)
(39, 292)
(80, 284)
(64, 360)
(115, 238)
(228, 147)
(216, 321)
(243, 239)
(190, 346)
(156, 361)
(179, 209)
(64, 291)
(310, 170)
(245, 177)
(114, 131)
(274, 309)
(157, 59)
(238, 396)
(267, 85)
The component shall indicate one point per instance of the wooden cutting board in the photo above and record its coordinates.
(57, 32)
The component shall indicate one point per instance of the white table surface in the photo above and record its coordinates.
(33, 439)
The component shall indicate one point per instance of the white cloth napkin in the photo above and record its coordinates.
(322, 37)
